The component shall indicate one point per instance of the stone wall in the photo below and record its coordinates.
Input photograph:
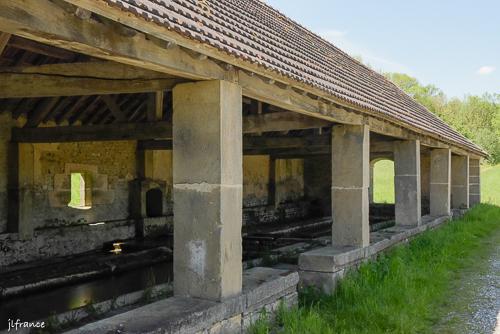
(289, 180)
(5, 126)
(53, 242)
(318, 184)
(255, 180)
(110, 166)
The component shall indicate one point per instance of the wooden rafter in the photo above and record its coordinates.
(29, 45)
(37, 116)
(4, 40)
(115, 109)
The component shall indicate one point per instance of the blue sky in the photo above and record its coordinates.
(454, 45)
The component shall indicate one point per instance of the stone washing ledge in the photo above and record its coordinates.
(263, 288)
(324, 267)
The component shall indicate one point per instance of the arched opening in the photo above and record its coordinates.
(154, 203)
(383, 181)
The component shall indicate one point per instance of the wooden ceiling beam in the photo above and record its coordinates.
(40, 85)
(122, 131)
(92, 69)
(281, 121)
(4, 40)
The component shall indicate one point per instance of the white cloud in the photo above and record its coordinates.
(485, 70)
(340, 40)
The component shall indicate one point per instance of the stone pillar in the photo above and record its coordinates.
(407, 182)
(21, 192)
(350, 182)
(5, 157)
(459, 182)
(370, 187)
(474, 182)
(208, 177)
(440, 182)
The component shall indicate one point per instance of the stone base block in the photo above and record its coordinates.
(329, 259)
(326, 282)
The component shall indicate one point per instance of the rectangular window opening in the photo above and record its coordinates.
(81, 193)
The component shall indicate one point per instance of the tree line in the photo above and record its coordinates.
(476, 117)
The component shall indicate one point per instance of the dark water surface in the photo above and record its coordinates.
(41, 305)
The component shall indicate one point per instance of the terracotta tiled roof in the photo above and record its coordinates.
(255, 32)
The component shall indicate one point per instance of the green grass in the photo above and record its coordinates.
(383, 190)
(402, 292)
(383, 182)
(490, 184)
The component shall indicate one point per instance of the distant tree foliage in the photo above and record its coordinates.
(476, 117)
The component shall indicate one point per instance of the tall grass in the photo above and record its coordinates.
(490, 184)
(383, 182)
(401, 291)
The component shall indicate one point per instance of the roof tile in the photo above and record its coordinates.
(254, 31)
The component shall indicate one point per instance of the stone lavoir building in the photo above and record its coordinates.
(217, 145)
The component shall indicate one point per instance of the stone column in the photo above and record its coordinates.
(208, 177)
(350, 182)
(370, 187)
(21, 193)
(459, 182)
(440, 182)
(407, 182)
(474, 182)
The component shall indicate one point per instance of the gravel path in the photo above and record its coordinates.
(476, 301)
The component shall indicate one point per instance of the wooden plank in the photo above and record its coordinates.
(256, 143)
(258, 89)
(125, 131)
(4, 40)
(155, 106)
(46, 50)
(115, 109)
(22, 85)
(93, 70)
(281, 121)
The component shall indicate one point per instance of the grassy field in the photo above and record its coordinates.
(383, 182)
(383, 190)
(490, 184)
(402, 292)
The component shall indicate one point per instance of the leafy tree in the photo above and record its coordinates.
(476, 117)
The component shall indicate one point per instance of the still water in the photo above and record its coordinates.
(43, 304)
